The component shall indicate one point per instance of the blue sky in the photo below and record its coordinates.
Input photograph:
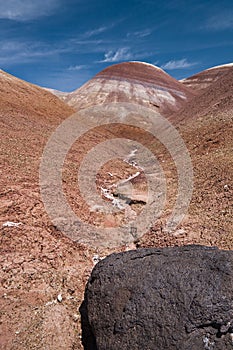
(63, 43)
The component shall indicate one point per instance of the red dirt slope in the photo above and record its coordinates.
(216, 98)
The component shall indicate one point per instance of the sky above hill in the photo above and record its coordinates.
(63, 43)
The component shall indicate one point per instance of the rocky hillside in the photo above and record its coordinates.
(215, 98)
(18, 97)
(28, 114)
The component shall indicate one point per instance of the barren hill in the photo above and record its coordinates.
(216, 98)
(204, 79)
(135, 82)
(205, 124)
(28, 114)
(33, 255)
(20, 97)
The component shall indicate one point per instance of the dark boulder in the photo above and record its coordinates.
(156, 299)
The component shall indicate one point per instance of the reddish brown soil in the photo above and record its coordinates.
(20, 98)
(212, 101)
(38, 262)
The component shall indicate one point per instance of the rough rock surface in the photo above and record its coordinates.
(172, 298)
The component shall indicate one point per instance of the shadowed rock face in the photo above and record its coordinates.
(135, 82)
(171, 298)
(204, 79)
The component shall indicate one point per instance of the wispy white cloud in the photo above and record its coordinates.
(77, 67)
(178, 64)
(19, 51)
(220, 21)
(122, 54)
(24, 10)
(88, 42)
(140, 33)
(91, 33)
(23, 52)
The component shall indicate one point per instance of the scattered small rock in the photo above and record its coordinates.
(11, 224)
(59, 298)
(96, 258)
(76, 317)
(51, 302)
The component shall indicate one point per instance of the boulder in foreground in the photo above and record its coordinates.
(155, 299)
